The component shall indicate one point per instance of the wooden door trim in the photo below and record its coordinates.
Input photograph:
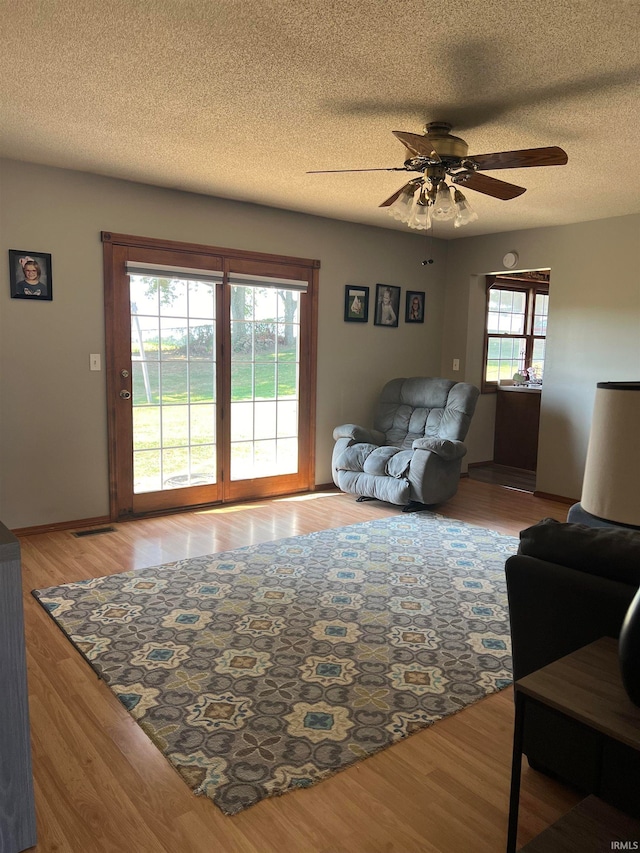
(199, 248)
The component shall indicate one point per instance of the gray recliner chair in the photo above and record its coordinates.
(413, 454)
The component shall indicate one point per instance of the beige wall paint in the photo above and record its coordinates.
(53, 433)
(593, 332)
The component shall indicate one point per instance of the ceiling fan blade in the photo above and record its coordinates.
(551, 156)
(489, 186)
(417, 144)
(396, 195)
(336, 171)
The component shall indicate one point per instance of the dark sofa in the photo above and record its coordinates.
(568, 585)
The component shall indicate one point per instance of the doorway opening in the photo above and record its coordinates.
(517, 308)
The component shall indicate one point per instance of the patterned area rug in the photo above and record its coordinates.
(270, 667)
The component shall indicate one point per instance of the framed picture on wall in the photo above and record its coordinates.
(356, 304)
(414, 308)
(30, 275)
(387, 305)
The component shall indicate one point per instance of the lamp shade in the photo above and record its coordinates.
(611, 486)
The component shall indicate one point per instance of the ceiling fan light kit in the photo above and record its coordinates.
(464, 212)
(437, 155)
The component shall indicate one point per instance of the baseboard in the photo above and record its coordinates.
(62, 525)
(479, 464)
(548, 496)
(105, 519)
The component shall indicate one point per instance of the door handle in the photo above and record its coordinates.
(126, 395)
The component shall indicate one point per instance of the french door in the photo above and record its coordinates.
(211, 374)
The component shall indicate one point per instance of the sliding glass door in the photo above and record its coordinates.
(211, 375)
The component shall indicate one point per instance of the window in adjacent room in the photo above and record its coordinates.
(515, 326)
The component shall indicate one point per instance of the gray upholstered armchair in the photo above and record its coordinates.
(413, 454)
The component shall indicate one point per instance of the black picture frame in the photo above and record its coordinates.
(387, 309)
(414, 306)
(40, 288)
(356, 304)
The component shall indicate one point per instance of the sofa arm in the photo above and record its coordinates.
(610, 552)
(555, 610)
(443, 447)
(354, 432)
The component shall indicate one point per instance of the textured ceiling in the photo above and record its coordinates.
(239, 99)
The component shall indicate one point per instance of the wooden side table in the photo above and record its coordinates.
(585, 686)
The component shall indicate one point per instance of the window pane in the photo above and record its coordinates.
(537, 360)
(241, 380)
(145, 383)
(241, 421)
(175, 467)
(173, 297)
(175, 384)
(266, 304)
(265, 379)
(287, 380)
(506, 357)
(145, 336)
(202, 382)
(203, 424)
(143, 294)
(287, 455)
(287, 419)
(241, 340)
(288, 306)
(202, 299)
(241, 460)
(175, 321)
(173, 339)
(175, 426)
(146, 427)
(506, 312)
(146, 471)
(540, 314)
(203, 464)
(288, 342)
(265, 420)
(202, 341)
(264, 340)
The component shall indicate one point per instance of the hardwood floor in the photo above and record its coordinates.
(504, 475)
(101, 785)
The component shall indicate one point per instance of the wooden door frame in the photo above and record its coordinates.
(115, 246)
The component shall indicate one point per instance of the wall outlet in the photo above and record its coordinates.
(456, 364)
(94, 361)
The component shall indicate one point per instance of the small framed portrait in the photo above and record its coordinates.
(387, 305)
(30, 275)
(356, 304)
(414, 309)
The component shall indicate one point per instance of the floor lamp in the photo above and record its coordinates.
(611, 492)
(611, 486)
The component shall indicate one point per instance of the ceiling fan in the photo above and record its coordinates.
(437, 154)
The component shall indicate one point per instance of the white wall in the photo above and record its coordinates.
(53, 433)
(593, 332)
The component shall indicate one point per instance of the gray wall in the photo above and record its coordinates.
(53, 433)
(53, 436)
(593, 332)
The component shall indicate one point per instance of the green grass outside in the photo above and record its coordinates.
(194, 382)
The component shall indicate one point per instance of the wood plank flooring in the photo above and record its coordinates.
(504, 475)
(102, 786)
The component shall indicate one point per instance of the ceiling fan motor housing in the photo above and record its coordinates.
(444, 144)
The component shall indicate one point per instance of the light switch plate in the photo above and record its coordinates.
(94, 361)
(456, 364)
